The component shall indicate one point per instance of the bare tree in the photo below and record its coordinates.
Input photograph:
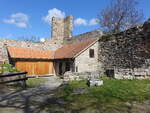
(120, 15)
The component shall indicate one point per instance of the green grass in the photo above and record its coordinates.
(32, 82)
(112, 94)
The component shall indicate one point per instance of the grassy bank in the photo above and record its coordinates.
(32, 82)
(113, 95)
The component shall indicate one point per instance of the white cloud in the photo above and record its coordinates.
(53, 13)
(93, 21)
(19, 19)
(84, 22)
(80, 21)
(60, 14)
(42, 39)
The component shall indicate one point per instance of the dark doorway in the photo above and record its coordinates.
(67, 66)
(110, 73)
(60, 68)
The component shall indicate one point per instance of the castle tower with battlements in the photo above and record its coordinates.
(62, 28)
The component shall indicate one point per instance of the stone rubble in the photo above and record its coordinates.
(94, 82)
(69, 76)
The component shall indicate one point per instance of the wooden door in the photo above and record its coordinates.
(44, 68)
(35, 67)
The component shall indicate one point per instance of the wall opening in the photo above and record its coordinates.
(110, 73)
(60, 68)
(91, 53)
(67, 66)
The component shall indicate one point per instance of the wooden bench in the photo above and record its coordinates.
(14, 77)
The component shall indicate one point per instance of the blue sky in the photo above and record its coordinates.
(30, 17)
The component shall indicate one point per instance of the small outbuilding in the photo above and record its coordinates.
(35, 62)
(77, 57)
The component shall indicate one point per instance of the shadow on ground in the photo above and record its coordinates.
(28, 100)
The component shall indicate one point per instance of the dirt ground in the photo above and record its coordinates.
(16, 100)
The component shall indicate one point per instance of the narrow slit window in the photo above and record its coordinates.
(91, 53)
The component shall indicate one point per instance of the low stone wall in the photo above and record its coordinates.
(136, 73)
(85, 75)
(68, 76)
(85, 36)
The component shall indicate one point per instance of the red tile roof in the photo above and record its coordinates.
(66, 51)
(26, 53)
(69, 51)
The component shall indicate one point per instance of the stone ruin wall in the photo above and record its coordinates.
(126, 50)
(49, 44)
(85, 36)
(68, 27)
(57, 28)
(62, 28)
(140, 73)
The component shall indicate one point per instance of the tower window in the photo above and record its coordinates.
(91, 53)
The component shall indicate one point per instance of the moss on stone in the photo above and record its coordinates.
(107, 37)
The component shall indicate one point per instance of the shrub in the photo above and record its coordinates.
(7, 68)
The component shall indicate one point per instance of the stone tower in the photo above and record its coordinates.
(62, 28)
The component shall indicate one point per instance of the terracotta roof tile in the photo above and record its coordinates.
(69, 51)
(26, 53)
(66, 51)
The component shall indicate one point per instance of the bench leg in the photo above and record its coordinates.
(24, 84)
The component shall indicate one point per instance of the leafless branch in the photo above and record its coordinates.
(120, 15)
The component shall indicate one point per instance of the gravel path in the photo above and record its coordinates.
(29, 100)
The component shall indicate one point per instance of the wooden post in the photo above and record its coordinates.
(24, 84)
(2, 69)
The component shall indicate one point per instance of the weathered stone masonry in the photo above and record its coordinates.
(85, 36)
(86, 64)
(62, 28)
(126, 50)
